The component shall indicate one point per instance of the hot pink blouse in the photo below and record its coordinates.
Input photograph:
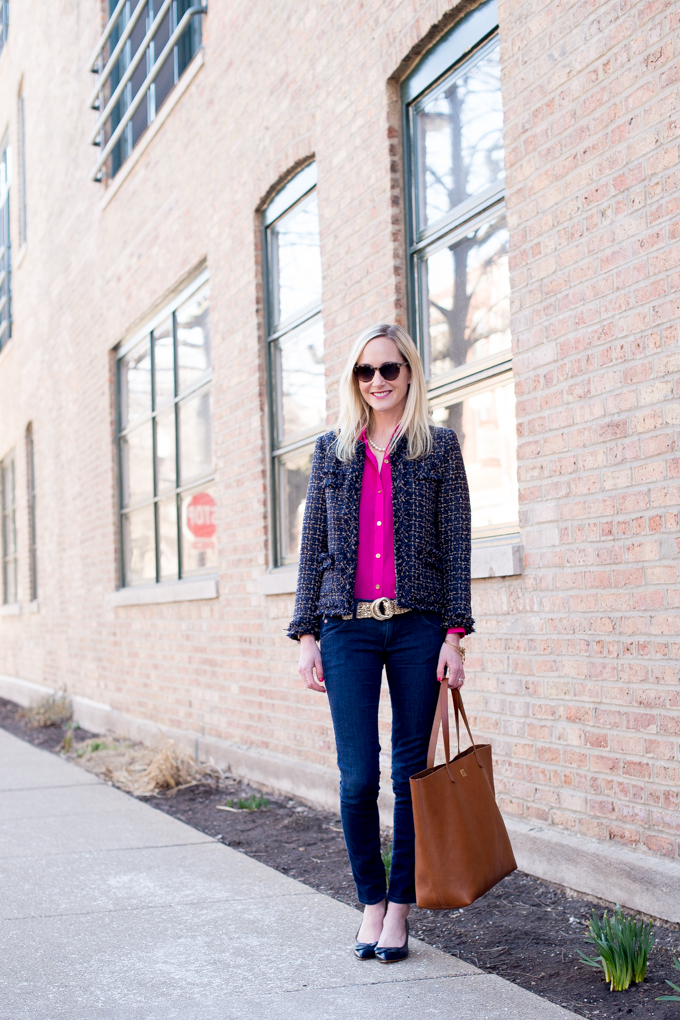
(376, 572)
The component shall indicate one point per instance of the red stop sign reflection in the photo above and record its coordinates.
(201, 515)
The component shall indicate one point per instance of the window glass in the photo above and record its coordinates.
(301, 381)
(460, 276)
(460, 135)
(195, 437)
(486, 429)
(468, 299)
(193, 339)
(9, 530)
(199, 546)
(294, 470)
(166, 474)
(167, 539)
(297, 377)
(137, 464)
(163, 364)
(156, 470)
(135, 384)
(296, 257)
(139, 546)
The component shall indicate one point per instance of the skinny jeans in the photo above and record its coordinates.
(354, 653)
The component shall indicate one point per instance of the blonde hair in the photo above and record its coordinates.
(356, 414)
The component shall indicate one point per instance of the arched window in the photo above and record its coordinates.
(295, 347)
(458, 254)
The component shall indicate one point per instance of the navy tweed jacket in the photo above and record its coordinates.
(431, 504)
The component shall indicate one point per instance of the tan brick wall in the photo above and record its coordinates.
(583, 694)
(574, 664)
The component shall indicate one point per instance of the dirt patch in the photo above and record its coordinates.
(524, 930)
(13, 719)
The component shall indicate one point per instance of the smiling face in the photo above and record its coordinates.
(380, 394)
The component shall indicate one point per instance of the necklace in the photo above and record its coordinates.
(375, 446)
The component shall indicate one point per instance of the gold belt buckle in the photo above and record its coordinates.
(381, 609)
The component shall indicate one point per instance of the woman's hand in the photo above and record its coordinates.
(448, 656)
(310, 661)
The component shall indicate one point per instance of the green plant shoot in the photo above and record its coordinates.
(387, 861)
(623, 945)
(676, 988)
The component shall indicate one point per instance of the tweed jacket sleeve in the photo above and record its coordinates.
(314, 548)
(454, 526)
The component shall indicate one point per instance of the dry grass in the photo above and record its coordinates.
(140, 770)
(52, 710)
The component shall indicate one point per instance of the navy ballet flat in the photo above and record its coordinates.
(364, 950)
(392, 954)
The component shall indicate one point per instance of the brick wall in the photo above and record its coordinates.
(582, 689)
(574, 664)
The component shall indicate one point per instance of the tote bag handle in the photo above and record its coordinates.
(442, 718)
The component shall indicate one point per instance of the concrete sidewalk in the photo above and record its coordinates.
(112, 910)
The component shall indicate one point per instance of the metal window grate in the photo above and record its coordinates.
(140, 57)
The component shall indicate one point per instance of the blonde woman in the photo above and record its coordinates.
(384, 581)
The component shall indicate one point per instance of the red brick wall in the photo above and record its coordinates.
(574, 664)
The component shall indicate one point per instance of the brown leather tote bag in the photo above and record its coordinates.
(462, 845)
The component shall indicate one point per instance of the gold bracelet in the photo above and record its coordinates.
(456, 648)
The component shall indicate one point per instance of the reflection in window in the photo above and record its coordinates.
(294, 471)
(166, 456)
(460, 136)
(296, 260)
(459, 261)
(296, 350)
(468, 292)
(485, 425)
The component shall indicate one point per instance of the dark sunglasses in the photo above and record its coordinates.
(389, 371)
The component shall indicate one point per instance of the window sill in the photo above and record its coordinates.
(280, 581)
(497, 557)
(194, 589)
(34, 606)
(166, 109)
(10, 609)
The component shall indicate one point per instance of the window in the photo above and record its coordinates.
(295, 345)
(9, 530)
(167, 492)
(144, 50)
(5, 249)
(4, 22)
(22, 170)
(30, 485)
(458, 252)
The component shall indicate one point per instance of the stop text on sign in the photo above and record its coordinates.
(201, 515)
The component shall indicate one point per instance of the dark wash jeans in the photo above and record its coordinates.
(354, 653)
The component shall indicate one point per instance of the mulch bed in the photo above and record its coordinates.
(524, 930)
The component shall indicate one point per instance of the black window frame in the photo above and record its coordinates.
(468, 41)
(291, 194)
(203, 383)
